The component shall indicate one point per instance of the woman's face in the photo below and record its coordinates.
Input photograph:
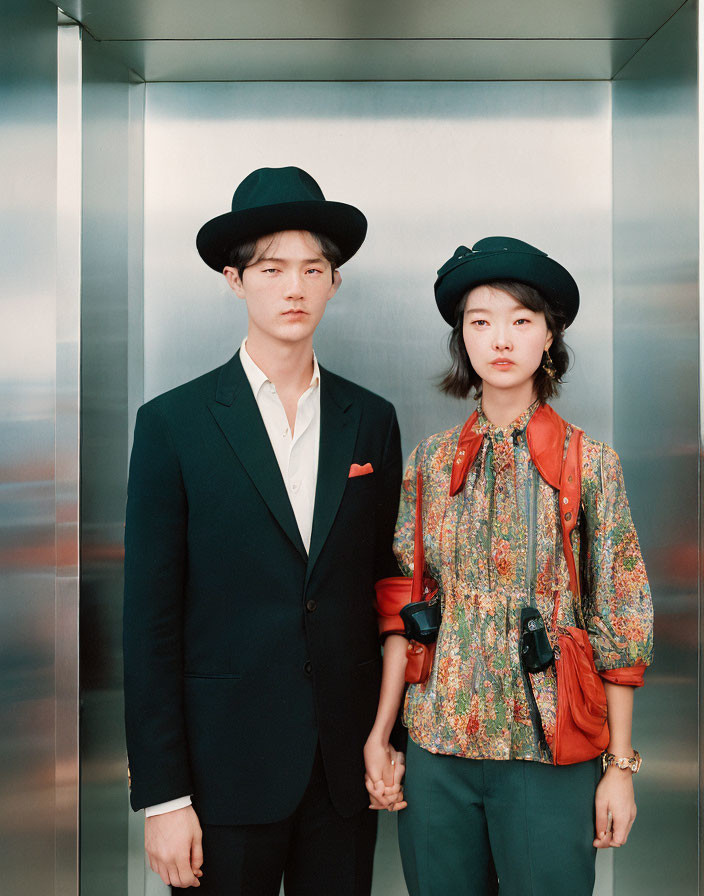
(505, 341)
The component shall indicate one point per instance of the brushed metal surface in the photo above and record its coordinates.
(375, 60)
(214, 19)
(68, 331)
(432, 166)
(656, 309)
(700, 109)
(106, 254)
(27, 446)
(136, 866)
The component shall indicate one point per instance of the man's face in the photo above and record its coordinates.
(286, 287)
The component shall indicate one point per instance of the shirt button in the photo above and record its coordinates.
(295, 485)
(285, 432)
(311, 605)
(308, 667)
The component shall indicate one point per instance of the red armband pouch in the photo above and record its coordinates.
(391, 594)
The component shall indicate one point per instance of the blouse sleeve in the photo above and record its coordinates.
(617, 604)
(406, 522)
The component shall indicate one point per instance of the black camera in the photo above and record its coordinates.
(536, 652)
(421, 620)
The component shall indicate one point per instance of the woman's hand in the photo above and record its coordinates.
(615, 807)
(385, 768)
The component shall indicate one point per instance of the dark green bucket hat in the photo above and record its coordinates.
(272, 199)
(504, 258)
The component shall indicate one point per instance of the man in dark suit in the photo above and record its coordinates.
(261, 505)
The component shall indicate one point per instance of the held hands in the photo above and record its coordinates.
(615, 807)
(385, 768)
(173, 842)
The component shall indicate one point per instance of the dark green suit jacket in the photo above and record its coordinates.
(242, 651)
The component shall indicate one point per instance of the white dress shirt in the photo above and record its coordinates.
(297, 454)
(297, 457)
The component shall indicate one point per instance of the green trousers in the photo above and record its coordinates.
(531, 822)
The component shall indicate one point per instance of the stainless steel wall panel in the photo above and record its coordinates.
(68, 329)
(136, 866)
(27, 446)
(213, 19)
(419, 59)
(135, 245)
(655, 430)
(107, 254)
(700, 328)
(432, 166)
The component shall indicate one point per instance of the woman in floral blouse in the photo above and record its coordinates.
(485, 798)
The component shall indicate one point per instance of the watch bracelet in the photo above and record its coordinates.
(633, 763)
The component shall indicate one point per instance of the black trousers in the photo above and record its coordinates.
(315, 851)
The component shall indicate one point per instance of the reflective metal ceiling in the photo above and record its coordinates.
(174, 40)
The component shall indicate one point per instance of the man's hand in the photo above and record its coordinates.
(173, 842)
(615, 807)
(385, 768)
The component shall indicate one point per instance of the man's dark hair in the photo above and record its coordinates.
(241, 255)
(461, 376)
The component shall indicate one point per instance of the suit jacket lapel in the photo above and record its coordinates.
(339, 421)
(236, 413)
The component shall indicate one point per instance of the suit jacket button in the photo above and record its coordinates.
(311, 605)
(308, 667)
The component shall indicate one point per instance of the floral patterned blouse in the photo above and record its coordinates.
(490, 561)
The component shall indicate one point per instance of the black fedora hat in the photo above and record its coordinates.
(504, 258)
(273, 199)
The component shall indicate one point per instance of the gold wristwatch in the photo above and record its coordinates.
(625, 762)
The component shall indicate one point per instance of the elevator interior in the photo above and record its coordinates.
(574, 126)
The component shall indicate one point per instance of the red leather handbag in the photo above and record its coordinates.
(581, 730)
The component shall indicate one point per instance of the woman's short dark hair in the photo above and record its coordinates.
(461, 376)
(241, 255)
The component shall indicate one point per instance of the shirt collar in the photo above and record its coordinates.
(496, 433)
(256, 376)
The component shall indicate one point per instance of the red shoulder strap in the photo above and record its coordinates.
(418, 547)
(570, 497)
(546, 434)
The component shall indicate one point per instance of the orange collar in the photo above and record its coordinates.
(545, 433)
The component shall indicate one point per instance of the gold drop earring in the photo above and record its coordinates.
(548, 366)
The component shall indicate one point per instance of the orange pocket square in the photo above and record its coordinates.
(359, 470)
